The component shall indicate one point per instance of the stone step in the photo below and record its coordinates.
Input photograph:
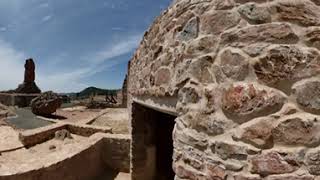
(123, 176)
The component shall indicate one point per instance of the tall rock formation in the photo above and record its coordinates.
(29, 86)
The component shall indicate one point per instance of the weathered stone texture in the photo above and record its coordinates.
(255, 14)
(244, 102)
(297, 131)
(287, 63)
(308, 95)
(258, 134)
(312, 37)
(313, 161)
(234, 65)
(301, 12)
(270, 163)
(216, 22)
(245, 77)
(269, 33)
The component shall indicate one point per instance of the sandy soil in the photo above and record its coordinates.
(75, 114)
(39, 154)
(9, 139)
(116, 118)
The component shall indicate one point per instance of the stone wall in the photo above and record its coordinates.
(85, 163)
(116, 152)
(99, 155)
(246, 75)
(20, 100)
(37, 136)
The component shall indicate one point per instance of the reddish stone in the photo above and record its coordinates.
(257, 134)
(270, 163)
(244, 102)
(182, 171)
(216, 172)
(162, 76)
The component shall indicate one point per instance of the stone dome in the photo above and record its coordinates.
(245, 74)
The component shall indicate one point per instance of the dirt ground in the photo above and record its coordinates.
(116, 118)
(9, 139)
(75, 114)
(39, 154)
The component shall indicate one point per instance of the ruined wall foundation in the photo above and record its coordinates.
(245, 74)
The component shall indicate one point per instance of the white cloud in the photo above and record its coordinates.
(124, 46)
(70, 80)
(46, 18)
(11, 66)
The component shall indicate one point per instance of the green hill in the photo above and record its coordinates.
(96, 91)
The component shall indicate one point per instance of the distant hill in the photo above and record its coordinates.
(96, 91)
(92, 91)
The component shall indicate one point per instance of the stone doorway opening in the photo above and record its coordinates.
(152, 144)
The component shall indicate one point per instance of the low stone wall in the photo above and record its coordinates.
(116, 152)
(92, 159)
(36, 136)
(85, 164)
(20, 100)
(86, 130)
(40, 135)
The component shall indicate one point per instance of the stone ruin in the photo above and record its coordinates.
(228, 89)
(29, 86)
(25, 92)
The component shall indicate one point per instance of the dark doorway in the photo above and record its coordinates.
(164, 146)
(152, 144)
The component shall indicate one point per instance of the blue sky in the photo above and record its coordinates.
(75, 43)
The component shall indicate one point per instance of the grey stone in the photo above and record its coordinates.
(190, 30)
(254, 13)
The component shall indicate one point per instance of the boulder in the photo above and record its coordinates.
(5, 111)
(46, 104)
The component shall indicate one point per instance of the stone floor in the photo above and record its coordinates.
(117, 118)
(76, 114)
